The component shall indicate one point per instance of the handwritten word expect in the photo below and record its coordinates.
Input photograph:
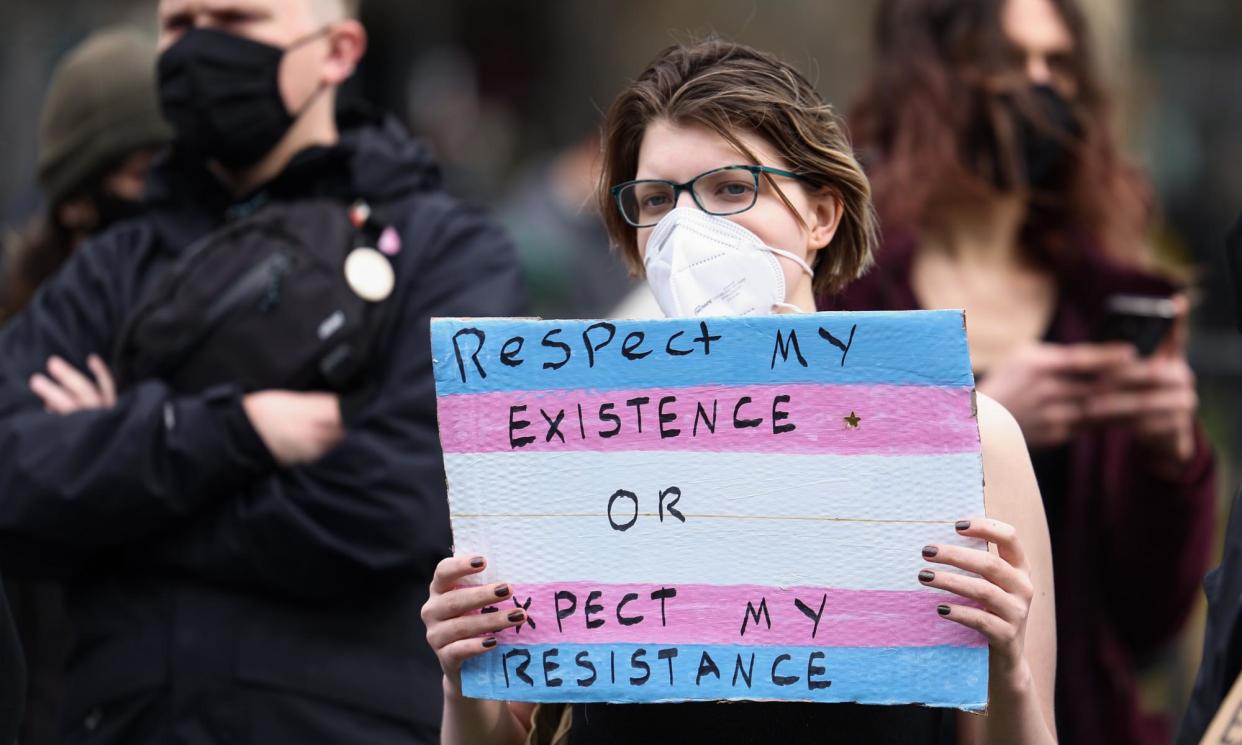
(566, 604)
(634, 346)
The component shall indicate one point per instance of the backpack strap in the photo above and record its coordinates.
(374, 230)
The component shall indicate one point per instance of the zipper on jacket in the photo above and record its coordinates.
(260, 284)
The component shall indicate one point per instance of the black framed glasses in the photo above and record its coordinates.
(721, 191)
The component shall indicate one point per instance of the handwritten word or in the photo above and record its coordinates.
(622, 518)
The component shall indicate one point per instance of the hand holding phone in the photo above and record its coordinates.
(1046, 386)
(1154, 396)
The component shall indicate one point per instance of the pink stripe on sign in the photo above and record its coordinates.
(589, 613)
(839, 419)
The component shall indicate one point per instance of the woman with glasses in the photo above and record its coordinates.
(1002, 190)
(735, 191)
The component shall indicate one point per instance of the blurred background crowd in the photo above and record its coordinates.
(510, 97)
(511, 100)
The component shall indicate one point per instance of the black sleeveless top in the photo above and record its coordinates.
(748, 723)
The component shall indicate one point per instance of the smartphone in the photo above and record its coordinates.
(1141, 320)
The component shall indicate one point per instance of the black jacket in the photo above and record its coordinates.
(12, 675)
(195, 563)
(1222, 641)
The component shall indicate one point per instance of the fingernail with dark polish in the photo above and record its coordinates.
(942, 610)
(516, 616)
(963, 525)
(926, 576)
(489, 642)
(930, 551)
(476, 562)
(502, 591)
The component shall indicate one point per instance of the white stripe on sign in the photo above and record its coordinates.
(702, 550)
(856, 556)
(718, 486)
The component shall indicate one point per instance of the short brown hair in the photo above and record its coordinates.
(729, 88)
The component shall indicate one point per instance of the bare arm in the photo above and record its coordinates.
(456, 633)
(474, 721)
(1022, 668)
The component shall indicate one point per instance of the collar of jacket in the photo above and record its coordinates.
(375, 159)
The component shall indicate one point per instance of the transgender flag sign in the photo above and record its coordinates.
(715, 508)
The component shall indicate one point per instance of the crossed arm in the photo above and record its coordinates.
(226, 485)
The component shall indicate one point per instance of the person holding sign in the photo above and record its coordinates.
(724, 159)
(1002, 190)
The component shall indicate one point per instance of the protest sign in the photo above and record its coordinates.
(715, 508)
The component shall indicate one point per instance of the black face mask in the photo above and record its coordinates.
(1043, 143)
(113, 209)
(221, 94)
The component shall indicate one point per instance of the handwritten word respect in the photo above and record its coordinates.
(599, 340)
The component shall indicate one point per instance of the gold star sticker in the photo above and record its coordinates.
(853, 420)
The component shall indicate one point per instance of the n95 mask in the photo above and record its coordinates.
(704, 265)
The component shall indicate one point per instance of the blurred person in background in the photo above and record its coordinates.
(1001, 189)
(245, 564)
(100, 128)
(571, 271)
(1216, 691)
(1216, 682)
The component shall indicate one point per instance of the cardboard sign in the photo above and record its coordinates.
(720, 508)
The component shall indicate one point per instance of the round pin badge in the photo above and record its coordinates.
(389, 242)
(369, 274)
(359, 213)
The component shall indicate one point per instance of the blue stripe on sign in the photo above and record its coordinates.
(954, 677)
(901, 348)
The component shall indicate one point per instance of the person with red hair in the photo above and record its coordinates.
(1001, 189)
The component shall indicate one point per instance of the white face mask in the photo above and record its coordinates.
(704, 265)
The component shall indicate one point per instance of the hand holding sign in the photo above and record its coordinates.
(456, 630)
(1002, 590)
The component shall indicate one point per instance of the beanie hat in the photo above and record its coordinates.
(101, 106)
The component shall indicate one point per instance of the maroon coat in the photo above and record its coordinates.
(1129, 547)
